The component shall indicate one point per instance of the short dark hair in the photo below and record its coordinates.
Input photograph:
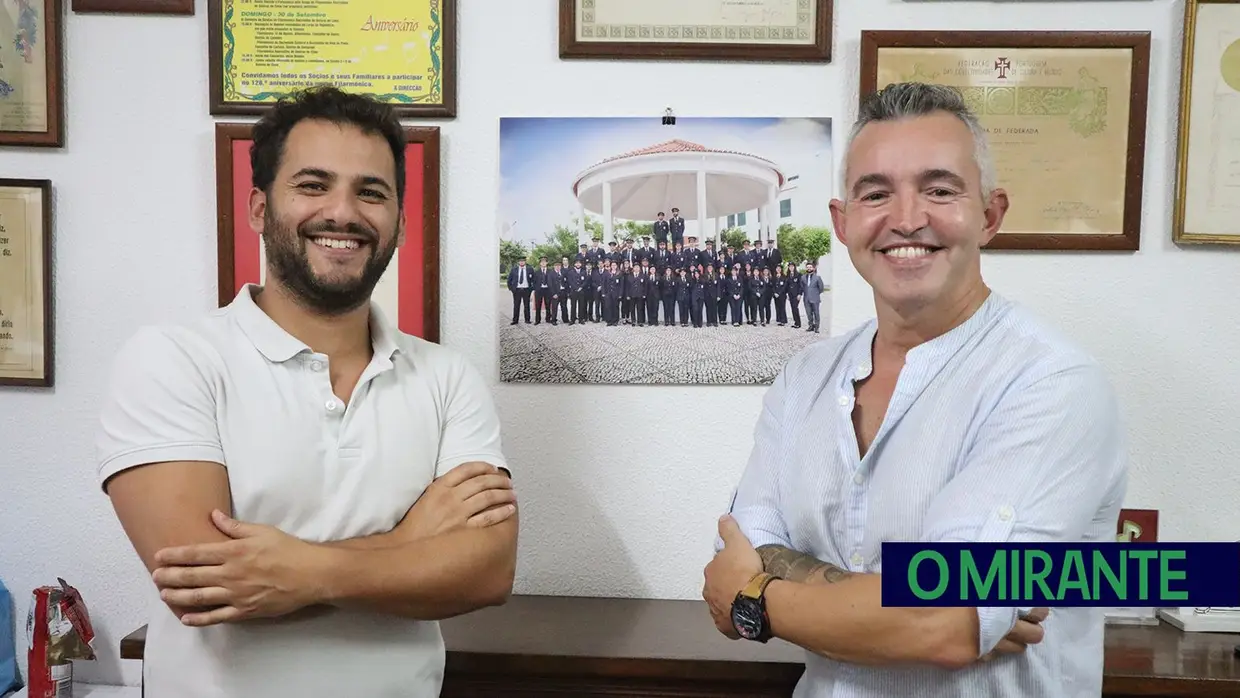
(324, 103)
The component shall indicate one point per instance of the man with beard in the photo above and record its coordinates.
(310, 488)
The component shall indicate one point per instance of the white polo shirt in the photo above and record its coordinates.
(237, 389)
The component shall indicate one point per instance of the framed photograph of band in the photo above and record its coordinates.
(1065, 114)
(753, 30)
(408, 290)
(1207, 208)
(32, 111)
(135, 7)
(402, 52)
(26, 282)
(640, 253)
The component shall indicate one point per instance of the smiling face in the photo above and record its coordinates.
(915, 217)
(331, 221)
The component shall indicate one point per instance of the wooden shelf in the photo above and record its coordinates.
(559, 645)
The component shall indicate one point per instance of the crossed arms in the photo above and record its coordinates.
(453, 552)
(1055, 474)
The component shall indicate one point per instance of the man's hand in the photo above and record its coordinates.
(262, 572)
(1027, 631)
(728, 573)
(470, 495)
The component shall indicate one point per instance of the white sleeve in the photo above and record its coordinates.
(756, 506)
(160, 406)
(471, 428)
(1045, 466)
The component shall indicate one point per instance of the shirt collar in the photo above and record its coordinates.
(275, 343)
(928, 357)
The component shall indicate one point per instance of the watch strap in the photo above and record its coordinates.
(757, 585)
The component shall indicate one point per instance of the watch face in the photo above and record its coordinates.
(747, 618)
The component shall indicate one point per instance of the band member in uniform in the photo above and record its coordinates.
(779, 293)
(576, 290)
(794, 294)
(542, 292)
(661, 230)
(736, 294)
(677, 225)
(521, 284)
(652, 296)
(684, 293)
(613, 291)
(667, 288)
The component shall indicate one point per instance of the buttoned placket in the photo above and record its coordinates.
(858, 504)
(337, 413)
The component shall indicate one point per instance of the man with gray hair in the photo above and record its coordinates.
(954, 416)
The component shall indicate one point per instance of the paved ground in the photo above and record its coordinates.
(596, 353)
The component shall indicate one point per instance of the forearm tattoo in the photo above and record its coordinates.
(789, 564)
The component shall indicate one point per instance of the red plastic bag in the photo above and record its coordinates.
(58, 631)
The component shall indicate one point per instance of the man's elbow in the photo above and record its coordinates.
(501, 574)
(951, 640)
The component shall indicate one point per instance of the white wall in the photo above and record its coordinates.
(614, 504)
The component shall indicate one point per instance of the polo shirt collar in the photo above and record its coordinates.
(275, 343)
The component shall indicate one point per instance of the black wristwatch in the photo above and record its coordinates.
(749, 609)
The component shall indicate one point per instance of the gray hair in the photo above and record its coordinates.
(912, 99)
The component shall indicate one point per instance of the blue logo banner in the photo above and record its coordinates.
(1061, 574)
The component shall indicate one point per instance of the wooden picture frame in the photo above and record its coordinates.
(651, 38)
(135, 7)
(413, 276)
(1202, 128)
(1068, 106)
(29, 318)
(227, 87)
(42, 22)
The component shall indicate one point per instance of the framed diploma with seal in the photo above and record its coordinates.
(408, 291)
(1065, 114)
(401, 52)
(31, 74)
(737, 30)
(26, 282)
(1207, 202)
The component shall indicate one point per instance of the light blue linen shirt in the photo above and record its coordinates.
(999, 430)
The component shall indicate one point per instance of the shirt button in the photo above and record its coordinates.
(863, 370)
(316, 366)
(856, 559)
(332, 405)
(858, 478)
(843, 401)
(1006, 513)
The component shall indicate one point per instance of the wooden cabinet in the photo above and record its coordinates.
(548, 647)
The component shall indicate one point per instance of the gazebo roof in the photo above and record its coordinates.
(735, 181)
(676, 145)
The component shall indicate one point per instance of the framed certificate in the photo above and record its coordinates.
(742, 30)
(1207, 202)
(402, 52)
(31, 74)
(408, 292)
(26, 282)
(1065, 114)
(135, 7)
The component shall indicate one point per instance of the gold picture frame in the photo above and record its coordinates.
(251, 65)
(1204, 132)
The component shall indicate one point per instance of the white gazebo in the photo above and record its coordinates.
(702, 182)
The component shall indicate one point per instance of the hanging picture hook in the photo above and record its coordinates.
(668, 118)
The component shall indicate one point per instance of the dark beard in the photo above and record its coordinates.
(286, 254)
